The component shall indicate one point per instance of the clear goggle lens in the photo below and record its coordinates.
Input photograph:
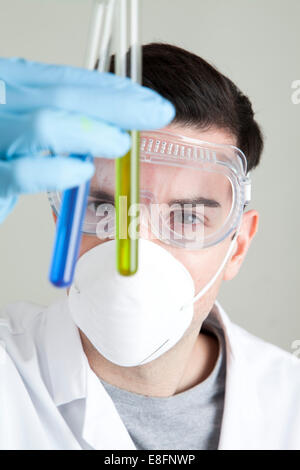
(186, 206)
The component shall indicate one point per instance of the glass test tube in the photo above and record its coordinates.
(127, 167)
(68, 232)
(127, 195)
(74, 200)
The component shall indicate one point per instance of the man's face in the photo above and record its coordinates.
(171, 184)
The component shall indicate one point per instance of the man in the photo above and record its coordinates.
(93, 371)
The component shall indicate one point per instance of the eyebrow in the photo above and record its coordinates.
(98, 194)
(199, 200)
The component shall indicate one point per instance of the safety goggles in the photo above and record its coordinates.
(192, 193)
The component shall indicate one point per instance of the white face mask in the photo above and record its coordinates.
(132, 320)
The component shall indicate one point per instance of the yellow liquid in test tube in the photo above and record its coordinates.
(127, 195)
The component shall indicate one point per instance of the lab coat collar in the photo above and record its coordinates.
(218, 315)
(72, 378)
(243, 411)
(66, 358)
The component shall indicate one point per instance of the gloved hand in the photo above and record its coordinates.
(52, 111)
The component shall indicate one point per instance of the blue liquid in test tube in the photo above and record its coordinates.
(68, 232)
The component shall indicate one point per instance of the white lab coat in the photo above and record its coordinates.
(43, 370)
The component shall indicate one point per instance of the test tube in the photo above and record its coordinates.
(127, 167)
(68, 232)
(74, 200)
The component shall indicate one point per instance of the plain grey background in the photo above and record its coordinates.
(257, 44)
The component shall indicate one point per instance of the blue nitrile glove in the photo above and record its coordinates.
(63, 110)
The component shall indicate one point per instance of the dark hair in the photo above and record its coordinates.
(202, 96)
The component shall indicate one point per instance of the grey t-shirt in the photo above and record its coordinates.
(190, 420)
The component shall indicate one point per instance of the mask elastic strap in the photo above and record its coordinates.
(210, 283)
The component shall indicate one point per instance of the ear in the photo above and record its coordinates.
(248, 229)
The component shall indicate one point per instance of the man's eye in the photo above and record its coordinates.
(186, 218)
(100, 208)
